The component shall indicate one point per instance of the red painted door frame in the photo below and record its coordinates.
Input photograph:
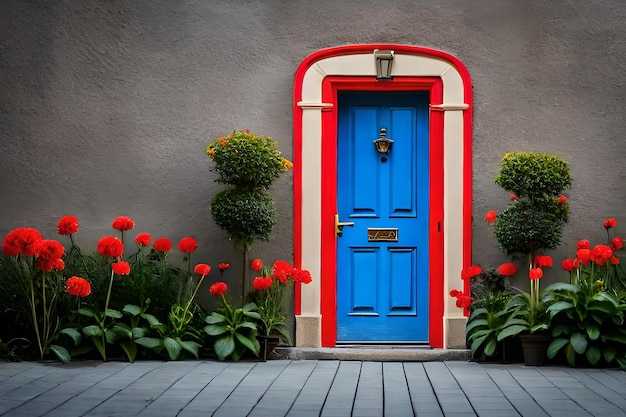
(330, 88)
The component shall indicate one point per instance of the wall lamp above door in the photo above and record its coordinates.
(384, 59)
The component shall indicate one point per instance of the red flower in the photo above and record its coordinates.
(223, 266)
(603, 252)
(202, 269)
(562, 199)
(615, 260)
(21, 241)
(123, 223)
(491, 216)
(568, 264)
(535, 273)
(610, 223)
(48, 254)
(282, 271)
(583, 255)
(583, 244)
(618, 243)
(507, 270)
(302, 275)
(187, 245)
(256, 265)
(110, 246)
(513, 197)
(218, 288)
(59, 265)
(121, 267)
(464, 301)
(471, 272)
(543, 260)
(67, 225)
(454, 292)
(162, 244)
(143, 239)
(77, 286)
(262, 283)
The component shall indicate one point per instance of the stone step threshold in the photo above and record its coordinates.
(378, 353)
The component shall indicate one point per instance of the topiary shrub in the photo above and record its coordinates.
(246, 215)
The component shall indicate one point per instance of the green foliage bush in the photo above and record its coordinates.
(246, 215)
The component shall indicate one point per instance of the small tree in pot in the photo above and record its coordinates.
(248, 164)
(532, 224)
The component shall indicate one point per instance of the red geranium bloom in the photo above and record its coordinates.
(60, 265)
(282, 271)
(615, 260)
(48, 253)
(507, 270)
(302, 275)
(491, 216)
(610, 223)
(583, 255)
(262, 283)
(187, 245)
(543, 260)
(471, 271)
(78, 286)
(454, 292)
(123, 223)
(562, 199)
(218, 288)
(68, 225)
(513, 197)
(583, 244)
(223, 266)
(121, 267)
(568, 264)
(162, 244)
(256, 264)
(463, 301)
(618, 243)
(602, 252)
(535, 273)
(202, 269)
(143, 239)
(110, 246)
(21, 241)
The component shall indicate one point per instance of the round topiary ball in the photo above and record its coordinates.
(246, 215)
(524, 228)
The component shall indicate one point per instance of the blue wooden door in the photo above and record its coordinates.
(382, 260)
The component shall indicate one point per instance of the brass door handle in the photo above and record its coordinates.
(340, 225)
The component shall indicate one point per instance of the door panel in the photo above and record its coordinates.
(382, 286)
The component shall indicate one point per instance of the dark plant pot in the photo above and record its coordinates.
(535, 348)
(512, 350)
(268, 343)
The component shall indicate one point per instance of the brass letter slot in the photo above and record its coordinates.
(382, 235)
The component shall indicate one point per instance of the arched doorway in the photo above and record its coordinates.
(323, 87)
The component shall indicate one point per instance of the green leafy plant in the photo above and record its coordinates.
(487, 323)
(234, 330)
(588, 323)
(270, 288)
(32, 266)
(588, 312)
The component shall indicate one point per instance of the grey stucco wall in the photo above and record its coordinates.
(106, 107)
